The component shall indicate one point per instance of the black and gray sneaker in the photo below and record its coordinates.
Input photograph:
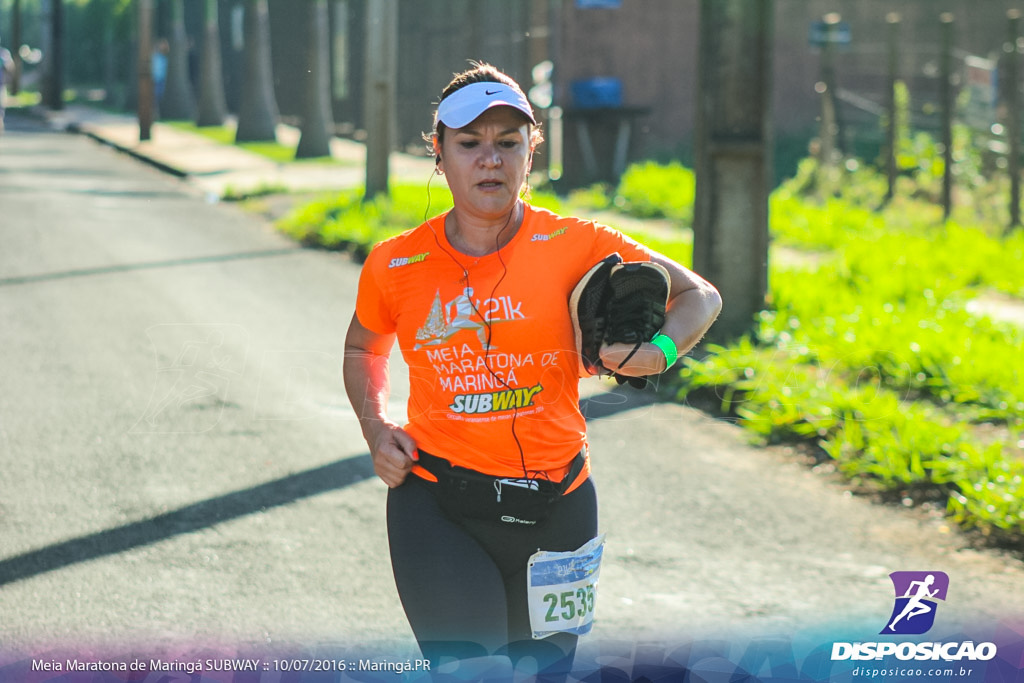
(588, 305)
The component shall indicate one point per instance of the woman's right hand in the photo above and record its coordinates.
(393, 452)
(365, 369)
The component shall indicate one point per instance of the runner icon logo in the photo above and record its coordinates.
(917, 594)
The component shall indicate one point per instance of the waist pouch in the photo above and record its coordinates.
(466, 493)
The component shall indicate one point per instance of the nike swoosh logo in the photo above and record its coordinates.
(488, 92)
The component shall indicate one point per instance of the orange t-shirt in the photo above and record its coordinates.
(493, 367)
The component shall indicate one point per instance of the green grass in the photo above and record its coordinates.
(651, 190)
(225, 135)
(24, 99)
(343, 221)
(874, 357)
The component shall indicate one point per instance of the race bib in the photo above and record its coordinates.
(562, 589)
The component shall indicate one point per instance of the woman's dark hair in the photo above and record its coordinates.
(480, 72)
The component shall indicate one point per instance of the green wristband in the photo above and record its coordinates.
(668, 347)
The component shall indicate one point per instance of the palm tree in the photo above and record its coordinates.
(212, 106)
(258, 113)
(178, 101)
(317, 121)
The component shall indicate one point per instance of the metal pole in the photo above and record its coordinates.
(891, 133)
(829, 115)
(946, 98)
(1013, 112)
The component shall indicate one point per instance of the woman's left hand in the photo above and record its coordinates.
(648, 359)
(693, 305)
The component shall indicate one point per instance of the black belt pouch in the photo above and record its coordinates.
(467, 494)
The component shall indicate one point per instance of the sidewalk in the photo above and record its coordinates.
(215, 168)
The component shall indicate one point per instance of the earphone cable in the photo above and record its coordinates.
(487, 323)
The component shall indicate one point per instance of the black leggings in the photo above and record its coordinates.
(463, 582)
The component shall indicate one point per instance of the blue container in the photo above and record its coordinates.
(596, 93)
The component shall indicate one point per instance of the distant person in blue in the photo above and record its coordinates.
(159, 68)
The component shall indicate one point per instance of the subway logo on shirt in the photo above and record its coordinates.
(494, 401)
(406, 260)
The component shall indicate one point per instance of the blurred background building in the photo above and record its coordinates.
(622, 73)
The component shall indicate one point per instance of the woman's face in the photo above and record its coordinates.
(486, 162)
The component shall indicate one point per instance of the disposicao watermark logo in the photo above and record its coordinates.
(917, 596)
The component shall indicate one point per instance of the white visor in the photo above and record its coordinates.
(465, 104)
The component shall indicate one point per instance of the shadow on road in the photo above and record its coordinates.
(207, 513)
(245, 502)
(19, 121)
(615, 401)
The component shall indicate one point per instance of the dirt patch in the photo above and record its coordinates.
(273, 207)
(999, 307)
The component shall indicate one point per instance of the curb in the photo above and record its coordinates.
(41, 113)
(77, 128)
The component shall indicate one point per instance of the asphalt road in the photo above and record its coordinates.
(180, 467)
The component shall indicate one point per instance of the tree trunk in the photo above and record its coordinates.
(379, 91)
(258, 114)
(15, 85)
(178, 101)
(112, 96)
(53, 94)
(317, 121)
(730, 222)
(212, 106)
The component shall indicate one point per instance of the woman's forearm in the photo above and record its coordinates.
(368, 385)
(689, 316)
(366, 372)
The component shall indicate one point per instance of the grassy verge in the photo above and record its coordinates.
(224, 135)
(344, 222)
(874, 358)
(24, 99)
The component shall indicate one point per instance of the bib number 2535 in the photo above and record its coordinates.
(565, 606)
(562, 589)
